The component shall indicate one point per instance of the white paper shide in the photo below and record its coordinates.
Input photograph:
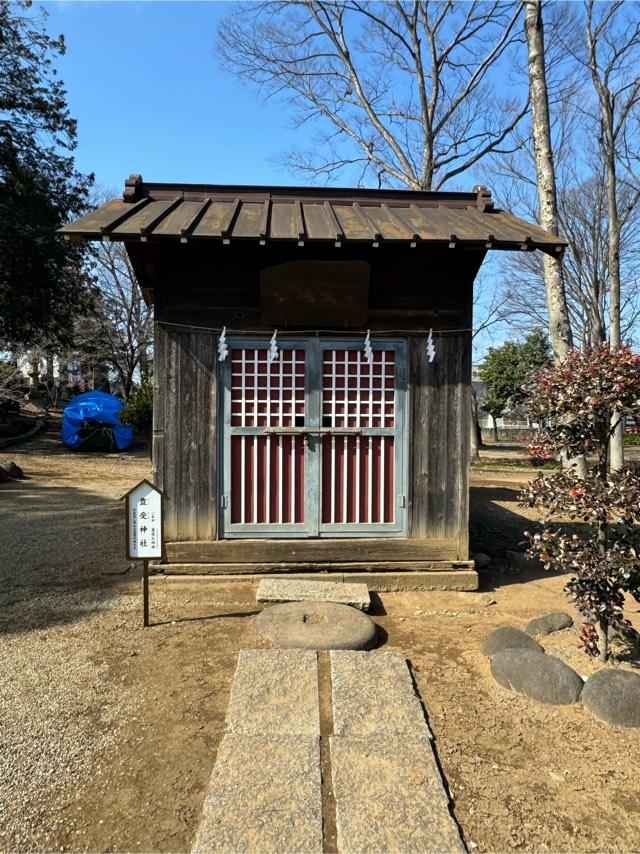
(144, 506)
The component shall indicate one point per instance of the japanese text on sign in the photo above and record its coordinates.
(144, 508)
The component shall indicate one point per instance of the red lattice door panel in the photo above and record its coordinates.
(359, 466)
(313, 440)
(267, 470)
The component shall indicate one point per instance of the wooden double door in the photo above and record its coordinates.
(314, 440)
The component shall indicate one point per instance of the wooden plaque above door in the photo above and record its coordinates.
(310, 293)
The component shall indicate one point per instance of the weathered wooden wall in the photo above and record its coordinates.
(184, 431)
(410, 292)
(439, 440)
(215, 285)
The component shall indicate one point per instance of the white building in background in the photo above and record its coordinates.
(510, 421)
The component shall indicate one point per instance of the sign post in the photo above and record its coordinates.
(144, 531)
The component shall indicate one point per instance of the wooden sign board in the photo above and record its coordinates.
(144, 521)
(303, 293)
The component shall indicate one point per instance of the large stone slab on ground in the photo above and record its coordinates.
(373, 693)
(275, 692)
(264, 796)
(294, 590)
(613, 697)
(316, 625)
(549, 623)
(508, 637)
(537, 675)
(390, 797)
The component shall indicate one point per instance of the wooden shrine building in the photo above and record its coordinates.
(312, 368)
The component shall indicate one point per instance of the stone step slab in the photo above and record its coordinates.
(296, 590)
(389, 797)
(275, 692)
(414, 575)
(373, 694)
(264, 796)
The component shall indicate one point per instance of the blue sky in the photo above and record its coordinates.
(143, 83)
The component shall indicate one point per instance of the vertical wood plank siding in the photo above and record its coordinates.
(440, 439)
(184, 431)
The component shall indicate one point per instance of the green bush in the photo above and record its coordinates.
(632, 438)
(138, 410)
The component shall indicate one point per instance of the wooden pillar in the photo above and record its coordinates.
(184, 431)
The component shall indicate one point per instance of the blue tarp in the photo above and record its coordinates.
(94, 409)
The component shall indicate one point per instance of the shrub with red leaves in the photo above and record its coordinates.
(574, 401)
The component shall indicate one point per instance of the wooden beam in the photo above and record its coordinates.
(367, 223)
(299, 218)
(344, 550)
(333, 222)
(264, 223)
(225, 228)
(187, 229)
(135, 207)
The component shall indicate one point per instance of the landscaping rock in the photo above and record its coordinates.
(316, 625)
(550, 623)
(298, 590)
(482, 560)
(12, 469)
(3, 475)
(536, 675)
(508, 637)
(613, 697)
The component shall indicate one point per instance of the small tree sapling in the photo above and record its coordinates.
(574, 401)
(138, 410)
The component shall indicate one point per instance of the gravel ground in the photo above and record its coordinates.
(59, 714)
(109, 731)
(58, 710)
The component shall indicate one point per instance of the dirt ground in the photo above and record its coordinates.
(109, 731)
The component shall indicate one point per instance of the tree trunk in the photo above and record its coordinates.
(145, 364)
(475, 432)
(496, 438)
(559, 327)
(602, 629)
(101, 378)
(616, 447)
(34, 369)
(50, 377)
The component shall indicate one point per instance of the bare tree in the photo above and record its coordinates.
(490, 308)
(613, 59)
(121, 331)
(582, 209)
(557, 310)
(401, 91)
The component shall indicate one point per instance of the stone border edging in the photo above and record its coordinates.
(611, 695)
(24, 437)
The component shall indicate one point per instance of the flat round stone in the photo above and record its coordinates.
(316, 625)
